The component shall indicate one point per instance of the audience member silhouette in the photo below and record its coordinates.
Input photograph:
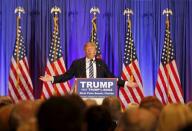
(60, 114)
(98, 118)
(113, 104)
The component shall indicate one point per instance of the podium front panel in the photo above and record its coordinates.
(96, 87)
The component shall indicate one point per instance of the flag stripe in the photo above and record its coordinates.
(27, 91)
(26, 70)
(65, 84)
(137, 90)
(159, 94)
(132, 93)
(174, 85)
(163, 81)
(160, 89)
(60, 90)
(20, 80)
(26, 80)
(60, 60)
(48, 88)
(135, 66)
(63, 65)
(55, 86)
(124, 101)
(12, 86)
(175, 73)
(54, 68)
(25, 62)
(170, 93)
(124, 93)
(127, 94)
(16, 87)
(163, 77)
(14, 93)
(61, 86)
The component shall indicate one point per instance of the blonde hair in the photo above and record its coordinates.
(173, 117)
(89, 44)
(137, 119)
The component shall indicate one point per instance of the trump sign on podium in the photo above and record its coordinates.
(96, 88)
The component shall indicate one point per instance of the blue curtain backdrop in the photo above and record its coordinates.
(148, 25)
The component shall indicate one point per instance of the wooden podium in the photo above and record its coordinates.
(96, 88)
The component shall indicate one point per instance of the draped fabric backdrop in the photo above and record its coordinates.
(148, 26)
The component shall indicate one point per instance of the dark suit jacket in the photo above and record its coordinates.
(78, 69)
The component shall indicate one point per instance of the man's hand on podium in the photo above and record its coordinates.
(131, 84)
(46, 78)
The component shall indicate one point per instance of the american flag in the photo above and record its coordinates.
(55, 66)
(20, 84)
(168, 86)
(94, 37)
(130, 72)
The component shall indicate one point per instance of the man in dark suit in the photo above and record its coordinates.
(87, 67)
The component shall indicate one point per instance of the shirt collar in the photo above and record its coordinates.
(87, 59)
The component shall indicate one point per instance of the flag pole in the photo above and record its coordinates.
(19, 10)
(128, 12)
(168, 12)
(55, 11)
(94, 11)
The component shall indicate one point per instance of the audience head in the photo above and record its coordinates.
(30, 125)
(5, 112)
(5, 100)
(113, 104)
(187, 127)
(98, 118)
(22, 113)
(90, 50)
(76, 99)
(137, 119)
(189, 104)
(90, 102)
(58, 114)
(133, 106)
(152, 103)
(173, 117)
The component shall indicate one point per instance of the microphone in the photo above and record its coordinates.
(93, 61)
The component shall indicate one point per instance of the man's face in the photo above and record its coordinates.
(90, 51)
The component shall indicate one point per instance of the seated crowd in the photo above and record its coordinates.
(71, 113)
